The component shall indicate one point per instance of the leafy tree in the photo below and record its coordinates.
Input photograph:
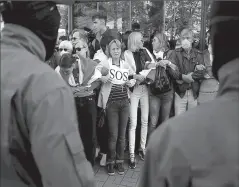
(171, 15)
(63, 10)
(157, 14)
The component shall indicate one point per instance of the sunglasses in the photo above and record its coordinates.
(79, 49)
(74, 38)
(63, 49)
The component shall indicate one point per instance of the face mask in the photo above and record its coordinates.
(41, 17)
(186, 44)
(48, 30)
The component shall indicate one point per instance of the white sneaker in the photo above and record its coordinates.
(103, 160)
(97, 152)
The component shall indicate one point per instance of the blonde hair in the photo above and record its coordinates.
(133, 40)
(118, 44)
(162, 40)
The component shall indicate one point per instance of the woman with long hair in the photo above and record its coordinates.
(160, 103)
(138, 58)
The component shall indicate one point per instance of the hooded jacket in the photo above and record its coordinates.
(199, 148)
(40, 143)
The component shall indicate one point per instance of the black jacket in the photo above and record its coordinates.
(187, 65)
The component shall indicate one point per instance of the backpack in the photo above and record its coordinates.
(162, 83)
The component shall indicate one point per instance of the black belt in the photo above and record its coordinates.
(143, 83)
(86, 98)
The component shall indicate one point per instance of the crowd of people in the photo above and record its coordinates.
(120, 78)
(100, 90)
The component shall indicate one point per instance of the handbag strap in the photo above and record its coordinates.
(157, 73)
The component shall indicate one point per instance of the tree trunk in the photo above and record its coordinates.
(159, 17)
(116, 14)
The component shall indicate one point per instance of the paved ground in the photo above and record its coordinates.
(130, 178)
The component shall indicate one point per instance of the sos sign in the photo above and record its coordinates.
(118, 75)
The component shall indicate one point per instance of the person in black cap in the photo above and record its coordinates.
(40, 141)
(200, 147)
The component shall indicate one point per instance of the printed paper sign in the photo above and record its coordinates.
(118, 75)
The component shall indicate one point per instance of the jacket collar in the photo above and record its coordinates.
(21, 37)
(228, 76)
(192, 53)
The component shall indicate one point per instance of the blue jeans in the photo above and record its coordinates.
(117, 114)
(159, 106)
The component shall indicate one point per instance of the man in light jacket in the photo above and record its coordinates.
(40, 142)
(200, 148)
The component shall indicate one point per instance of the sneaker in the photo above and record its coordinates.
(103, 160)
(141, 154)
(120, 168)
(97, 152)
(111, 170)
(132, 163)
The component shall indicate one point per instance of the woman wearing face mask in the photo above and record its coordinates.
(209, 86)
(138, 58)
(114, 98)
(160, 104)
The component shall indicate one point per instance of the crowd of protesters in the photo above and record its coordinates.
(104, 88)
(121, 82)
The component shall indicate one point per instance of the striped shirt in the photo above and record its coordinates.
(118, 92)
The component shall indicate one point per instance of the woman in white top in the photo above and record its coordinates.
(138, 58)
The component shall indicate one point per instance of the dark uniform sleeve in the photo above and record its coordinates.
(164, 163)
(56, 144)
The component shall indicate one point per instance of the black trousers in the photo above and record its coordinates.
(102, 136)
(87, 113)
